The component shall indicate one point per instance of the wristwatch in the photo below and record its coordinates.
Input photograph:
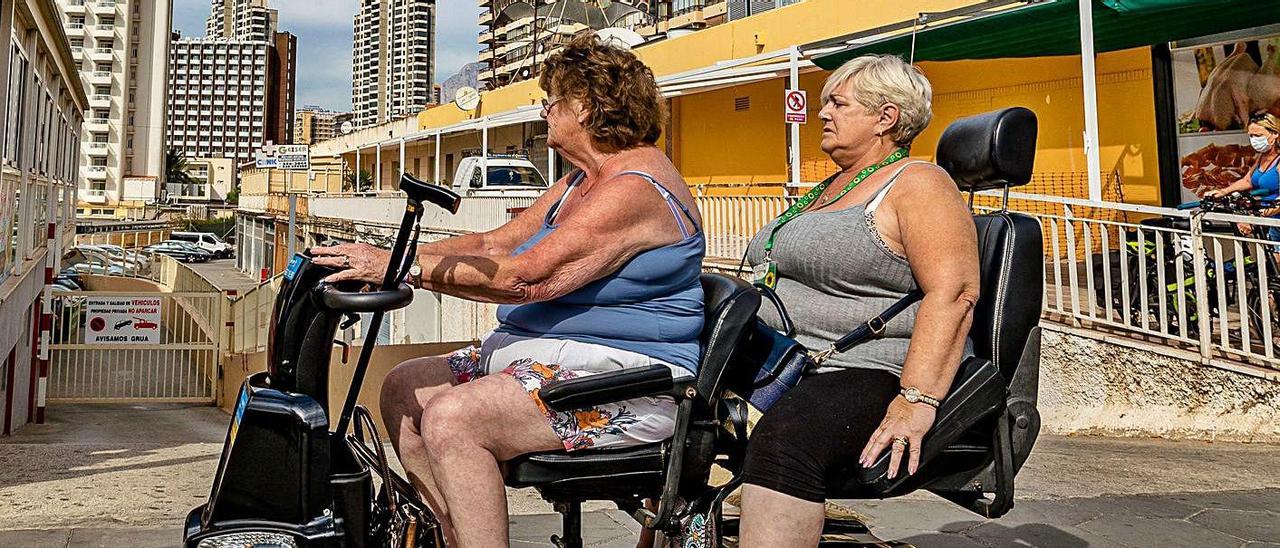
(415, 275)
(914, 395)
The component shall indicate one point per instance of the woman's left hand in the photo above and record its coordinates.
(361, 262)
(903, 420)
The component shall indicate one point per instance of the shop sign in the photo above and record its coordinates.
(797, 106)
(122, 320)
(294, 157)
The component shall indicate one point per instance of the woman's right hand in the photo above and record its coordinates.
(361, 262)
(1213, 193)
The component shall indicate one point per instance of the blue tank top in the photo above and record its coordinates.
(652, 305)
(1267, 178)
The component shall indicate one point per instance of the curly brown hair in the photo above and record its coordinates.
(616, 89)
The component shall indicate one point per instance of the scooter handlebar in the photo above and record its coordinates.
(421, 191)
(370, 301)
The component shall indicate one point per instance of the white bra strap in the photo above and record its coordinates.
(875, 202)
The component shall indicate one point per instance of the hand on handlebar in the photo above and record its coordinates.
(360, 262)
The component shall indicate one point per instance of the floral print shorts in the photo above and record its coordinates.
(536, 363)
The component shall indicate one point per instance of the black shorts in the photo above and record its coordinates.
(809, 442)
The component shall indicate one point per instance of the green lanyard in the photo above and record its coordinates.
(767, 272)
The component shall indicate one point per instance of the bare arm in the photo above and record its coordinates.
(940, 243)
(602, 234)
(504, 239)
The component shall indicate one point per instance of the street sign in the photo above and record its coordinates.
(797, 106)
(265, 157)
(122, 320)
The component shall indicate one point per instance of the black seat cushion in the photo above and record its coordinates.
(592, 473)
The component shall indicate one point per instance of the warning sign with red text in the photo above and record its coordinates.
(797, 106)
(122, 320)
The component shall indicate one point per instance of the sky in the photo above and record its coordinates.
(323, 28)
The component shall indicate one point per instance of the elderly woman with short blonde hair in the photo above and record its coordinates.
(880, 227)
(600, 274)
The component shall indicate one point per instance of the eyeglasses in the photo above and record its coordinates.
(546, 105)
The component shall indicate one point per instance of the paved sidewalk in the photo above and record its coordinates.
(125, 475)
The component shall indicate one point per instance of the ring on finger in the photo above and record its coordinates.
(902, 441)
(346, 261)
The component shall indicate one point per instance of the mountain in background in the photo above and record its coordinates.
(468, 76)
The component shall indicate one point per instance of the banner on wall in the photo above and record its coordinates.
(1217, 86)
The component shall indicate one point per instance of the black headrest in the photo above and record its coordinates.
(991, 150)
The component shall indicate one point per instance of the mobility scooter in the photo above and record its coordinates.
(285, 479)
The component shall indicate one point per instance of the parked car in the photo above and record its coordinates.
(506, 175)
(182, 251)
(205, 240)
(132, 263)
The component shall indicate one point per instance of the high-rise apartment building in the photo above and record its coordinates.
(512, 49)
(393, 59)
(739, 9)
(122, 48)
(233, 91)
(242, 19)
(313, 124)
(218, 98)
(282, 70)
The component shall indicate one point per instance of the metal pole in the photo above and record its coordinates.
(437, 178)
(377, 169)
(794, 134)
(1090, 84)
(484, 149)
(355, 176)
(551, 165)
(293, 222)
(402, 170)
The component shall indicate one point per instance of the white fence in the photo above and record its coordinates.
(476, 214)
(1183, 278)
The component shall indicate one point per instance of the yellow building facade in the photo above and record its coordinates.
(736, 134)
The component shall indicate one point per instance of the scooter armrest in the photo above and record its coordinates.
(370, 301)
(608, 388)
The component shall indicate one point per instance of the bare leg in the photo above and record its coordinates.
(468, 430)
(770, 518)
(406, 391)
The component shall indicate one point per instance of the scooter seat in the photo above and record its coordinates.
(594, 472)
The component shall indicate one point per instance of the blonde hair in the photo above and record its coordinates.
(880, 79)
(1267, 121)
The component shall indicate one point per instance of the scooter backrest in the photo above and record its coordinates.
(988, 151)
(992, 150)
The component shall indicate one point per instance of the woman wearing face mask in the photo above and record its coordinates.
(1264, 137)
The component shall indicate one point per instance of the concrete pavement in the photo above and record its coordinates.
(125, 475)
(223, 275)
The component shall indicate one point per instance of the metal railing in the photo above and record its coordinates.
(1183, 278)
(250, 315)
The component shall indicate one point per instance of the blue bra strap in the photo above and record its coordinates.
(671, 200)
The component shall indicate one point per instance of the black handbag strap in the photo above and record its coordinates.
(788, 328)
(872, 327)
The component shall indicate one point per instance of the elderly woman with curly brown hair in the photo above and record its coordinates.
(599, 274)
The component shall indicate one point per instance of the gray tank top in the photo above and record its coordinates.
(835, 272)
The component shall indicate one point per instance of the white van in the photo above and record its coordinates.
(205, 240)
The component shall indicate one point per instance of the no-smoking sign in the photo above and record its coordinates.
(797, 106)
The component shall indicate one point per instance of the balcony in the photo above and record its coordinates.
(97, 173)
(100, 77)
(93, 195)
(97, 149)
(100, 100)
(98, 124)
(75, 26)
(102, 54)
(74, 7)
(104, 7)
(104, 31)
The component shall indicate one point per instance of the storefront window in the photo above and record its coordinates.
(1219, 82)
